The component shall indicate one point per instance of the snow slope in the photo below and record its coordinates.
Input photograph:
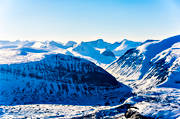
(58, 79)
(161, 103)
(151, 64)
(47, 111)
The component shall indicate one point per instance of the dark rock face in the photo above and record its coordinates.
(58, 79)
(132, 114)
(126, 110)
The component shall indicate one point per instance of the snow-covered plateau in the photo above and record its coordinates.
(95, 79)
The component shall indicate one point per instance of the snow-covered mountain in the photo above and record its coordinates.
(151, 64)
(59, 79)
(56, 84)
(103, 52)
(124, 46)
(103, 56)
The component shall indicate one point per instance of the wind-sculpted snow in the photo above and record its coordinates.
(152, 64)
(59, 79)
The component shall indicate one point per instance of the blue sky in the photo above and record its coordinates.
(84, 20)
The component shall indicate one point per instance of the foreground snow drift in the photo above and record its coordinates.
(161, 103)
(47, 111)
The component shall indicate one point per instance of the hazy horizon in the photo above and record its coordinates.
(68, 20)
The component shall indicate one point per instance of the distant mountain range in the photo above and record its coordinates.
(100, 52)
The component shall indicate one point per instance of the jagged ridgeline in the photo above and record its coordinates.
(59, 79)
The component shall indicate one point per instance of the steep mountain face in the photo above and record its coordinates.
(151, 64)
(164, 68)
(128, 66)
(59, 79)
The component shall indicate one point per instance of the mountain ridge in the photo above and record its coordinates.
(70, 79)
(136, 63)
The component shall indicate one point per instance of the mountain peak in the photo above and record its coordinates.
(70, 43)
(100, 40)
